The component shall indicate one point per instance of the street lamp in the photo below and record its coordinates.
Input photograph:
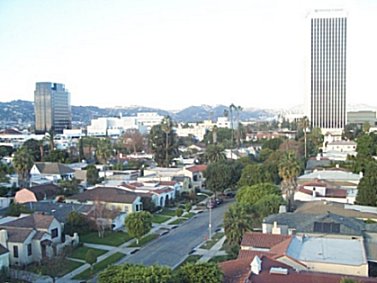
(210, 215)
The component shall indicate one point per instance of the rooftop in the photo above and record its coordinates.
(310, 249)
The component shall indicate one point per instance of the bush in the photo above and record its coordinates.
(179, 212)
(188, 206)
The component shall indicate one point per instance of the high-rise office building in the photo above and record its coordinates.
(328, 85)
(52, 108)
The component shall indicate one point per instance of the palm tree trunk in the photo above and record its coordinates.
(166, 150)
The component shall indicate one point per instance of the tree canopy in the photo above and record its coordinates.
(138, 224)
(204, 272)
(249, 195)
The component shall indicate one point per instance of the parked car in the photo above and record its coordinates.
(211, 203)
(219, 201)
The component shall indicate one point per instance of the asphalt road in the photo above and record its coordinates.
(172, 248)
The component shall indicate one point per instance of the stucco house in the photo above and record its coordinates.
(50, 171)
(196, 174)
(114, 198)
(32, 238)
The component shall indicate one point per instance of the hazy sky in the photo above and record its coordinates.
(175, 53)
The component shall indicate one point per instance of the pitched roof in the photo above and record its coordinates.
(106, 194)
(34, 221)
(46, 191)
(53, 168)
(167, 183)
(235, 271)
(3, 250)
(18, 235)
(59, 210)
(197, 168)
(260, 240)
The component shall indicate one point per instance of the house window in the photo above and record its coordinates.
(29, 249)
(325, 227)
(54, 233)
(15, 251)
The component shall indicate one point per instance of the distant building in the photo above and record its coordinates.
(327, 87)
(52, 107)
(361, 117)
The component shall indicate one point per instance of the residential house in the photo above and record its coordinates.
(32, 238)
(114, 198)
(38, 193)
(196, 174)
(4, 258)
(266, 269)
(161, 193)
(43, 172)
(297, 254)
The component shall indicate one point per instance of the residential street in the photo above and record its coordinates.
(172, 249)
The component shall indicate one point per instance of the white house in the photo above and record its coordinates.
(51, 171)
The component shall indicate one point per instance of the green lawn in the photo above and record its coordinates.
(87, 274)
(189, 215)
(80, 252)
(157, 218)
(210, 243)
(146, 239)
(168, 212)
(111, 238)
(220, 258)
(178, 221)
(54, 267)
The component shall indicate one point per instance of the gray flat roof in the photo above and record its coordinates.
(328, 250)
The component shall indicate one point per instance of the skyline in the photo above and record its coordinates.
(157, 53)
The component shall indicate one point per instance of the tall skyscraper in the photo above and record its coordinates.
(52, 108)
(328, 86)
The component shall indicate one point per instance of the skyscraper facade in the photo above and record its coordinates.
(52, 107)
(328, 85)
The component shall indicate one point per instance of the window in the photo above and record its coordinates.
(54, 233)
(29, 249)
(15, 251)
(325, 227)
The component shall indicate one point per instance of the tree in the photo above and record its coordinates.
(214, 153)
(218, 176)
(35, 148)
(273, 144)
(77, 223)
(70, 187)
(167, 127)
(160, 142)
(91, 258)
(365, 146)
(92, 175)
(57, 155)
(252, 174)
(23, 162)
(133, 140)
(289, 169)
(249, 195)
(205, 272)
(179, 212)
(237, 220)
(130, 273)
(15, 209)
(103, 150)
(267, 205)
(138, 224)
(367, 188)
(304, 124)
(148, 204)
(102, 217)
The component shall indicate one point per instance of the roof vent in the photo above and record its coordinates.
(279, 270)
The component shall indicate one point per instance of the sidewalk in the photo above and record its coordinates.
(215, 250)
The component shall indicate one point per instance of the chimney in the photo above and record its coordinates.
(361, 174)
(337, 166)
(314, 193)
(256, 265)
(282, 209)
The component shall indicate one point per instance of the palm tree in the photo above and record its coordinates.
(103, 150)
(214, 134)
(289, 169)
(22, 162)
(304, 123)
(166, 127)
(238, 109)
(237, 221)
(214, 153)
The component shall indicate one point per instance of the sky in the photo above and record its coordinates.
(172, 54)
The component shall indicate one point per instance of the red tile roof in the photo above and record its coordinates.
(260, 240)
(197, 168)
(235, 271)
